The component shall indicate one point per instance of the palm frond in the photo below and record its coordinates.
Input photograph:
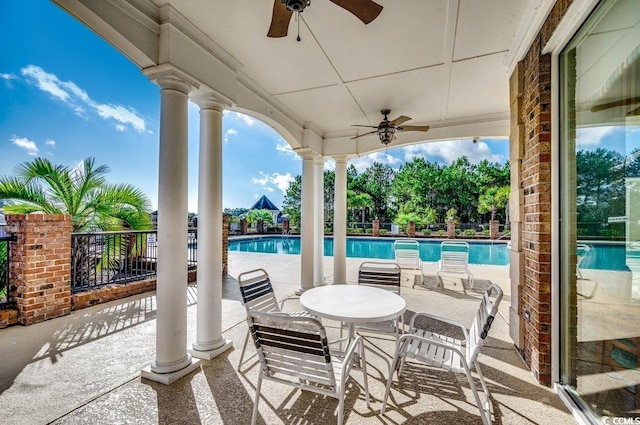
(24, 198)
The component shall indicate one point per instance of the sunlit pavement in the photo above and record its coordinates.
(85, 368)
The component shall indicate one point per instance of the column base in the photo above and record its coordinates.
(209, 354)
(171, 377)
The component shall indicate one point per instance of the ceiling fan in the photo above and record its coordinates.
(365, 10)
(386, 129)
(622, 102)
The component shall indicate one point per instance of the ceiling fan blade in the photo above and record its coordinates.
(279, 20)
(365, 134)
(365, 10)
(401, 119)
(414, 128)
(360, 125)
(621, 102)
(634, 113)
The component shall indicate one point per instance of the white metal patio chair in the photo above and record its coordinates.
(294, 351)
(257, 294)
(407, 255)
(448, 353)
(384, 276)
(454, 258)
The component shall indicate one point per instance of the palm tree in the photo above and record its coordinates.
(94, 204)
(493, 199)
(81, 191)
(260, 217)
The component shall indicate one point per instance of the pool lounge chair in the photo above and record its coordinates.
(454, 258)
(407, 255)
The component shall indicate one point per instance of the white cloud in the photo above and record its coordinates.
(74, 96)
(230, 132)
(449, 151)
(122, 114)
(272, 181)
(366, 161)
(592, 136)
(50, 142)
(24, 143)
(8, 77)
(242, 117)
(283, 147)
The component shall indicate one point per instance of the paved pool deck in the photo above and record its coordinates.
(85, 368)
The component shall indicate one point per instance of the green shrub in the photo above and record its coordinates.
(383, 231)
(368, 231)
(486, 232)
(458, 232)
(327, 230)
(357, 230)
(469, 232)
(441, 232)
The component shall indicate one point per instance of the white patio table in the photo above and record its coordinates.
(353, 304)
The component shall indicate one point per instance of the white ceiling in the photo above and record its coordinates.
(441, 62)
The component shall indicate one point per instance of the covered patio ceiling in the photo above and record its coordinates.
(444, 63)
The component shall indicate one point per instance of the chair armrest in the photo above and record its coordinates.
(440, 319)
(431, 341)
(347, 362)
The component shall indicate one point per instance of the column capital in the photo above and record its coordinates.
(169, 77)
(341, 158)
(320, 160)
(210, 100)
(307, 153)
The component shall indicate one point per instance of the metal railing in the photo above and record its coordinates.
(99, 259)
(5, 296)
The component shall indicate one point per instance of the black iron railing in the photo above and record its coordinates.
(5, 296)
(99, 259)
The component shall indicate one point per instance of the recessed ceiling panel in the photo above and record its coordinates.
(278, 65)
(478, 86)
(417, 94)
(482, 30)
(407, 34)
(330, 108)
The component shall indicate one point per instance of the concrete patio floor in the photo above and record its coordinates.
(85, 368)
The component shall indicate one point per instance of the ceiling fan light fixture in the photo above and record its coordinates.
(296, 5)
(385, 133)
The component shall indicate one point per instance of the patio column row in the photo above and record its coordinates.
(172, 360)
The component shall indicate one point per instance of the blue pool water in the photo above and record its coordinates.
(377, 248)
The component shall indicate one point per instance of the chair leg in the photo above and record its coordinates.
(392, 369)
(486, 415)
(364, 373)
(244, 348)
(484, 388)
(341, 406)
(254, 415)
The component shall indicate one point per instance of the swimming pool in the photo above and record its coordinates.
(495, 253)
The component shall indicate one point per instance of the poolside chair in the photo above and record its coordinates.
(582, 250)
(449, 353)
(384, 276)
(407, 255)
(257, 294)
(454, 258)
(294, 351)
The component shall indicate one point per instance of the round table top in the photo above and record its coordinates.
(353, 303)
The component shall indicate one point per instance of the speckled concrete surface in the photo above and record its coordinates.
(84, 368)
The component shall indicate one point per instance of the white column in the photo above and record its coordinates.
(340, 222)
(307, 223)
(318, 266)
(209, 340)
(172, 360)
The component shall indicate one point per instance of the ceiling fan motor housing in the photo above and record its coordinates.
(296, 5)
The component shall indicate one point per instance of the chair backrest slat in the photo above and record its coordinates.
(384, 275)
(257, 291)
(294, 346)
(483, 320)
(407, 253)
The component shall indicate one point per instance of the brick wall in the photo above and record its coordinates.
(531, 180)
(40, 264)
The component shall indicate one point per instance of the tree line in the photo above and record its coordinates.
(426, 191)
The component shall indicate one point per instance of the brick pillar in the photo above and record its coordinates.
(451, 229)
(412, 229)
(225, 245)
(494, 229)
(376, 228)
(243, 226)
(41, 265)
(285, 226)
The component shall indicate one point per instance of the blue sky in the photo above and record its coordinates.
(66, 95)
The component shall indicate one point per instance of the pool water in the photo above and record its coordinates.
(495, 253)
